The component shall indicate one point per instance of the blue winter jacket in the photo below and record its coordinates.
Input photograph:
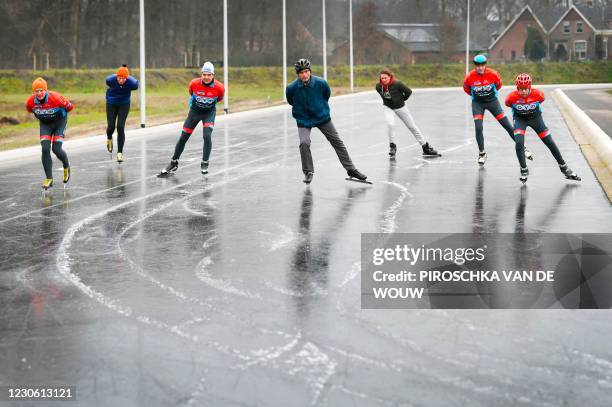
(119, 94)
(309, 101)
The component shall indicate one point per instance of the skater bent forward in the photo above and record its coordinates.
(394, 94)
(120, 87)
(525, 103)
(51, 109)
(205, 93)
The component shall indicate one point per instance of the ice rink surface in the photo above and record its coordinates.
(242, 287)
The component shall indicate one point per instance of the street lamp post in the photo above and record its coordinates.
(225, 61)
(142, 66)
(467, 40)
(284, 47)
(324, 44)
(351, 43)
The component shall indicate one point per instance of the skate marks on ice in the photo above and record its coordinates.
(278, 239)
(317, 355)
(203, 273)
(387, 223)
(305, 359)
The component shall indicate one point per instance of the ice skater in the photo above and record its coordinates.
(482, 84)
(394, 94)
(51, 109)
(120, 87)
(308, 95)
(526, 102)
(205, 93)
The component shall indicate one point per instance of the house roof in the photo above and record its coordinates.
(525, 9)
(419, 33)
(599, 17)
(550, 15)
(567, 12)
(422, 37)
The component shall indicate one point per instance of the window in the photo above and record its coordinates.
(578, 26)
(501, 54)
(513, 55)
(580, 49)
(605, 48)
(566, 27)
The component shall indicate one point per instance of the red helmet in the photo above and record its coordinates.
(523, 81)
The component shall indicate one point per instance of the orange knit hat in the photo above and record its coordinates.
(39, 83)
(123, 71)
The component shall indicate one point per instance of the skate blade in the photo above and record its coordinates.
(164, 175)
(432, 155)
(576, 178)
(361, 181)
(523, 180)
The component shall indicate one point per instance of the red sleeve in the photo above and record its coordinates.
(498, 80)
(221, 91)
(510, 99)
(29, 104)
(191, 88)
(539, 95)
(65, 103)
(466, 84)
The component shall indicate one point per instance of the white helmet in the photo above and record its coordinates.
(208, 67)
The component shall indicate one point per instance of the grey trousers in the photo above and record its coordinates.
(330, 132)
(406, 118)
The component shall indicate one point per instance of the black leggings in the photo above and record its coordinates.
(117, 114)
(51, 139)
(59, 152)
(538, 125)
(193, 118)
(478, 110)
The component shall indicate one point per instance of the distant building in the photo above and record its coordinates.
(575, 33)
(411, 44)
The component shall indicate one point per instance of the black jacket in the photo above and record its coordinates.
(395, 94)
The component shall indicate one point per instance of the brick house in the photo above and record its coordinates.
(574, 33)
(579, 34)
(509, 45)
